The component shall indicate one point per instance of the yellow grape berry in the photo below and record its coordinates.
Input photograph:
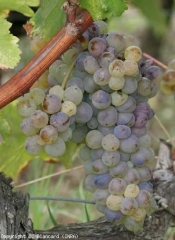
(69, 108)
(131, 67)
(132, 190)
(113, 202)
(133, 53)
(118, 98)
(57, 90)
(166, 89)
(169, 77)
(116, 68)
(139, 214)
(133, 225)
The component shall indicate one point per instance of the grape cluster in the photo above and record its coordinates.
(48, 114)
(167, 85)
(98, 93)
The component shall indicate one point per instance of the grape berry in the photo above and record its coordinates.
(167, 85)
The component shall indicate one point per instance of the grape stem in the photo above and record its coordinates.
(63, 85)
(21, 82)
(160, 64)
(62, 199)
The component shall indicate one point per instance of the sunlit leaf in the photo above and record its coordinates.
(4, 130)
(102, 9)
(4, 13)
(9, 50)
(21, 6)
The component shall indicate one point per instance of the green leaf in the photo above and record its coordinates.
(9, 51)
(13, 155)
(4, 13)
(21, 6)
(154, 14)
(51, 216)
(48, 19)
(4, 130)
(102, 9)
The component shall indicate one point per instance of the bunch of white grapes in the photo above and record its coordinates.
(98, 93)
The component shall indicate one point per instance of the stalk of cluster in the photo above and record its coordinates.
(98, 93)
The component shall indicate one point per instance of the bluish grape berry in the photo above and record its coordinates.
(97, 46)
(148, 186)
(99, 167)
(107, 117)
(113, 216)
(122, 131)
(132, 176)
(117, 186)
(119, 170)
(111, 159)
(100, 196)
(105, 130)
(140, 157)
(89, 183)
(101, 99)
(60, 121)
(128, 106)
(96, 153)
(84, 113)
(130, 144)
(102, 180)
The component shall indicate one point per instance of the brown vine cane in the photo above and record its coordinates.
(24, 79)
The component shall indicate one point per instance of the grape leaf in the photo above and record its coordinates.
(4, 130)
(49, 18)
(4, 13)
(154, 13)
(9, 51)
(13, 155)
(102, 9)
(21, 6)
